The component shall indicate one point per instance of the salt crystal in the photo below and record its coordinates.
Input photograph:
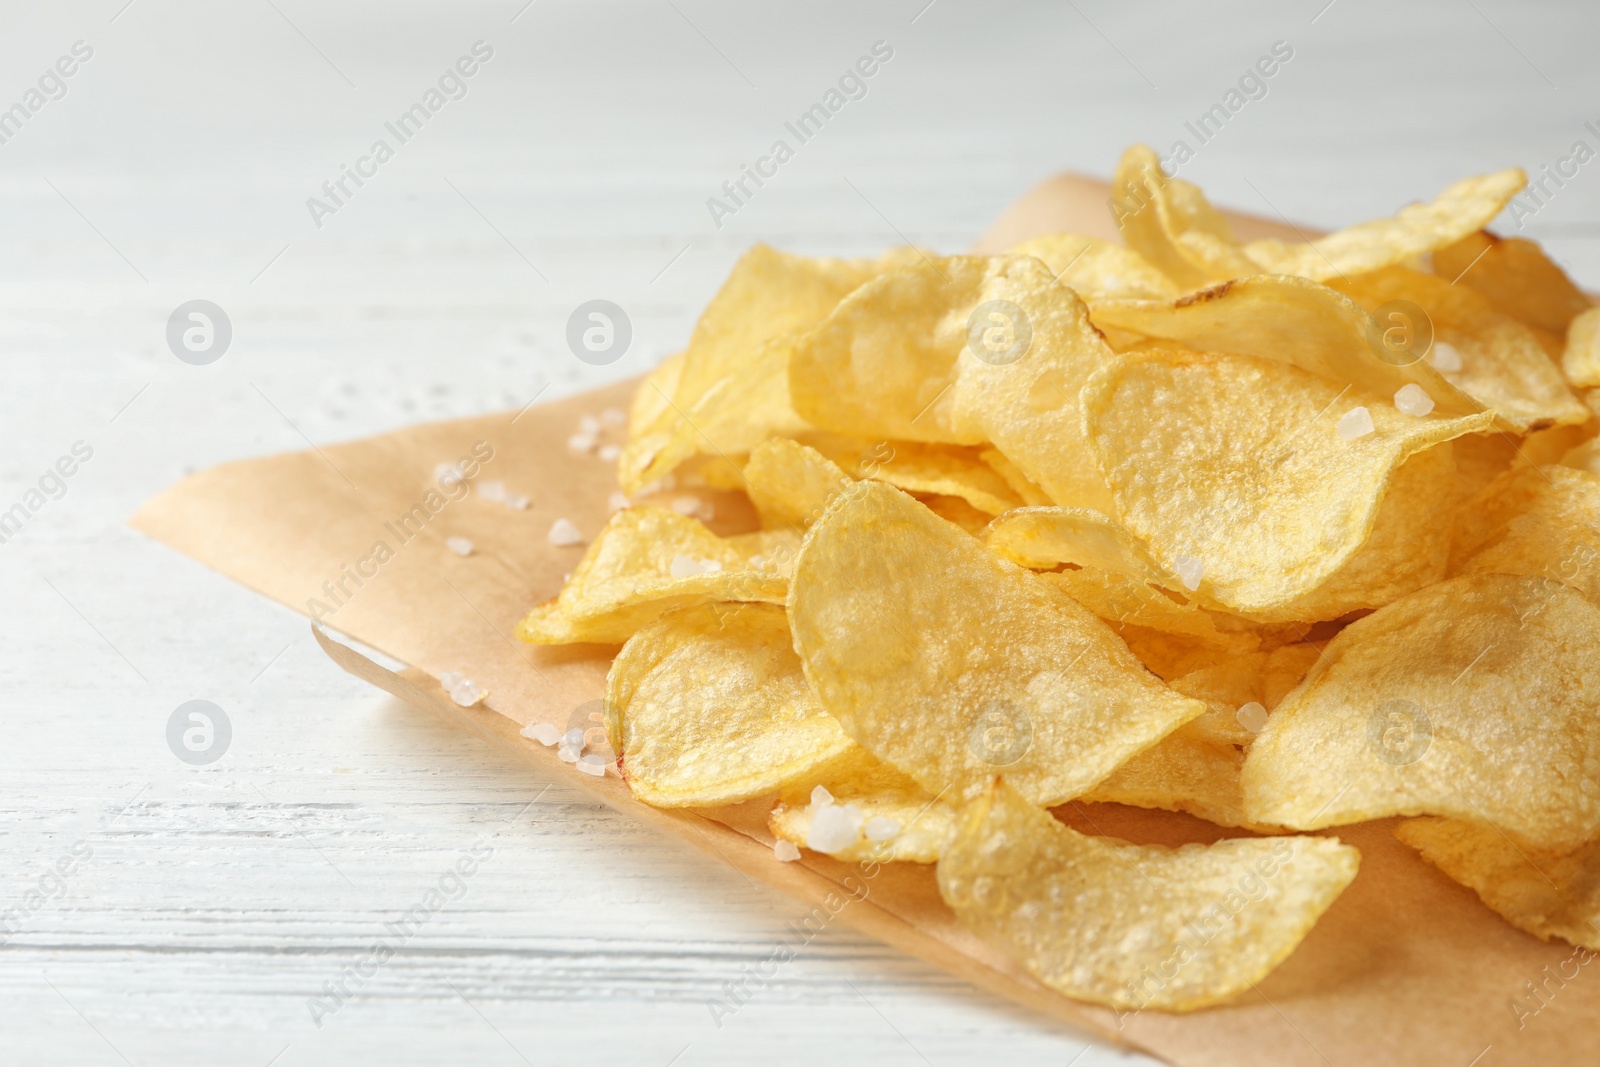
(613, 416)
(450, 679)
(595, 737)
(1445, 357)
(688, 567)
(1411, 400)
(448, 474)
(492, 490)
(785, 851)
(573, 738)
(619, 500)
(545, 733)
(1252, 717)
(820, 797)
(1190, 571)
(568, 754)
(581, 442)
(1357, 422)
(595, 765)
(880, 828)
(588, 424)
(466, 694)
(516, 500)
(834, 827)
(563, 533)
(609, 453)
(459, 545)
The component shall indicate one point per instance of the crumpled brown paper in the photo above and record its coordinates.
(1407, 967)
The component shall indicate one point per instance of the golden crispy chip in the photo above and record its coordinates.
(1231, 685)
(708, 706)
(651, 407)
(1581, 361)
(945, 470)
(966, 350)
(647, 561)
(1293, 321)
(1548, 894)
(1262, 483)
(1181, 772)
(1026, 488)
(1461, 209)
(1543, 447)
(1585, 457)
(1538, 521)
(733, 389)
(1477, 698)
(1481, 458)
(948, 663)
(1135, 926)
(1123, 602)
(954, 510)
(1502, 364)
(1170, 223)
(790, 484)
(1516, 275)
(872, 813)
(1045, 537)
(1098, 270)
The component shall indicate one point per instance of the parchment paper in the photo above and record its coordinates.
(1407, 967)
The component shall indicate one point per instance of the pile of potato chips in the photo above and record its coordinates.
(1281, 535)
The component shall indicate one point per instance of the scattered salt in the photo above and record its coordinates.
(609, 453)
(516, 500)
(588, 424)
(569, 754)
(619, 500)
(581, 442)
(880, 828)
(563, 533)
(467, 693)
(1411, 400)
(688, 567)
(1252, 717)
(785, 851)
(820, 797)
(1190, 571)
(448, 474)
(613, 416)
(592, 764)
(545, 733)
(492, 490)
(459, 545)
(450, 679)
(1445, 357)
(573, 738)
(834, 827)
(1357, 422)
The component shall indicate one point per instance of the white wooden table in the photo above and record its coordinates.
(207, 907)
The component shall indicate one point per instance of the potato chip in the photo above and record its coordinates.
(1098, 270)
(967, 350)
(1481, 458)
(647, 561)
(1585, 457)
(1026, 488)
(708, 706)
(1231, 685)
(868, 813)
(1042, 538)
(1293, 321)
(1516, 276)
(1538, 521)
(948, 663)
(1256, 484)
(1548, 894)
(1170, 224)
(1123, 602)
(1501, 363)
(733, 389)
(1477, 698)
(1581, 361)
(1182, 772)
(790, 484)
(1544, 447)
(1135, 926)
(651, 407)
(958, 512)
(1461, 209)
(945, 470)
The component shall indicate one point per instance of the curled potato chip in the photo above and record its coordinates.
(1581, 360)
(1026, 488)
(891, 819)
(1502, 364)
(1516, 275)
(1170, 224)
(967, 350)
(1231, 685)
(1256, 484)
(1098, 270)
(707, 706)
(1181, 772)
(945, 470)
(1123, 602)
(1045, 537)
(948, 663)
(732, 391)
(1537, 521)
(1293, 321)
(790, 484)
(1477, 698)
(1463, 208)
(1548, 894)
(1135, 926)
(651, 407)
(644, 562)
